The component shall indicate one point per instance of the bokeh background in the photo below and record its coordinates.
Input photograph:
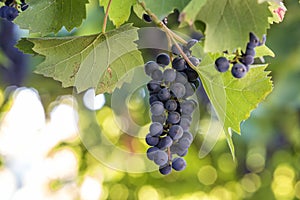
(55, 144)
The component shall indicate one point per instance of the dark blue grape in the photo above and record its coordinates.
(163, 59)
(147, 18)
(195, 61)
(157, 75)
(165, 170)
(171, 105)
(176, 132)
(191, 43)
(150, 66)
(181, 77)
(191, 74)
(164, 94)
(187, 135)
(251, 45)
(238, 70)
(169, 75)
(222, 64)
(188, 106)
(189, 89)
(160, 158)
(247, 60)
(160, 118)
(156, 129)
(178, 90)
(185, 124)
(175, 50)
(24, 7)
(178, 164)
(151, 152)
(184, 143)
(153, 98)
(151, 140)
(10, 13)
(164, 142)
(173, 117)
(250, 52)
(157, 108)
(153, 86)
(179, 64)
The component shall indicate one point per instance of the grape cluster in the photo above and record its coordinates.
(10, 10)
(171, 111)
(240, 63)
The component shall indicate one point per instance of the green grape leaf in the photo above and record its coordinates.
(228, 23)
(162, 8)
(50, 16)
(190, 12)
(119, 10)
(233, 99)
(263, 51)
(96, 61)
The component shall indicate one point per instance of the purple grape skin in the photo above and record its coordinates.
(160, 158)
(238, 70)
(178, 164)
(164, 142)
(150, 66)
(171, 105)
(179, 64)
(151, 140)
(222, 64)
(173, 118)
(165, 170)
(156, 129)
(151, 152)
(163, 59)
(176, 132)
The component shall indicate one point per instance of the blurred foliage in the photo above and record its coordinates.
(267, 163)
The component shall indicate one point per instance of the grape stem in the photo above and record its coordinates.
(170, 34)
(105, 17)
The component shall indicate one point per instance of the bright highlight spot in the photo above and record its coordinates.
(90, 189)
(93, 101)
(207, 175)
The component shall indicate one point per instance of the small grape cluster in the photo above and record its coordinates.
(169, 135)
(240, 63)
(11, 9)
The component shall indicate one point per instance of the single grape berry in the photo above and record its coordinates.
(181, 77)
(238, 70)
(169, 75)
(178, 90)
(157, 75)
(157, 108)
(164, 94)
(147, 18)
(173, 118)
(153, 86)
(150, 67)
(171, 105)
(222, 64)
(163, 59)
(191, 74)
(151, 151)
(176, 132)
(151, 140)
(191, 43)
(179, 64)
(159, 118)
(164, 142)
(165, 170)
(178, 164)
(195, 61)
(160, 158)
(9, 13)
(156, 129)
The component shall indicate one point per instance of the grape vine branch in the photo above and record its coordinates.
(170, 34)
